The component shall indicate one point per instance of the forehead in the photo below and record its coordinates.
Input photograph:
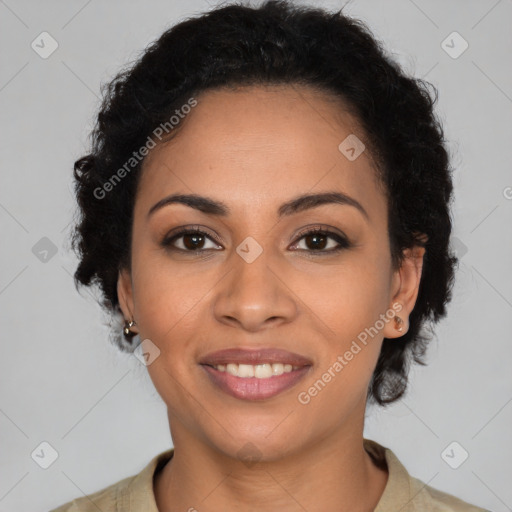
(263, 144)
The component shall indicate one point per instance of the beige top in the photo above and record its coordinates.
(402, 493)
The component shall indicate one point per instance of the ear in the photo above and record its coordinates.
(405, 286)
(125, 294)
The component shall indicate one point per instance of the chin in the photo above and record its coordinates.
(256, 442)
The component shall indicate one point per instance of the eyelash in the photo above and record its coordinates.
(342, 241)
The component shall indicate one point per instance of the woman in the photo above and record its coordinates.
(266, 203)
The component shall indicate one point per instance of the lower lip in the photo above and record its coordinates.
(252, 388)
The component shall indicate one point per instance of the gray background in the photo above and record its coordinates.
(62, 383)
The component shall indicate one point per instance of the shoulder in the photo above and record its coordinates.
(105, 499)
(426, 497)
(135, 490)
(409, 494)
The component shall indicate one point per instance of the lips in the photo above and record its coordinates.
(254, 357)
(253, 388)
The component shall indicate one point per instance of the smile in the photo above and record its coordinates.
(260, 371)
(255, 382)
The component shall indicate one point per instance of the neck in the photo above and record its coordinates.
(336, 473)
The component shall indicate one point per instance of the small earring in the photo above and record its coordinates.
(399, 324)
(127, 327)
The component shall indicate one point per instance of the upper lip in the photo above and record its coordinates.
(254, 356)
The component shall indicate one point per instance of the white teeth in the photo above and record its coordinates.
(277, 369)
(260, 371)
(263, 371)
(244, 370)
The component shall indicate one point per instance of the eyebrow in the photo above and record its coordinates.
(296, 205)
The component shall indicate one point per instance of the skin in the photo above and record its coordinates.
(255, 148)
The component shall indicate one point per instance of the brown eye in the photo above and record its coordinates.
(191, 241)
(322, 241)
(319, 241)
(316, 241)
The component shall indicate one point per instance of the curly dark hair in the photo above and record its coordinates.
(278, 43)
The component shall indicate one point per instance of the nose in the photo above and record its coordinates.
(254, 295)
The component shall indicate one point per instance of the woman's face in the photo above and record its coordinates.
(254, 281)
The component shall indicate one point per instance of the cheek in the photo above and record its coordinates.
(349, 305)
(348, 298)
(170, 310)
(166, 293)
(350, 311)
